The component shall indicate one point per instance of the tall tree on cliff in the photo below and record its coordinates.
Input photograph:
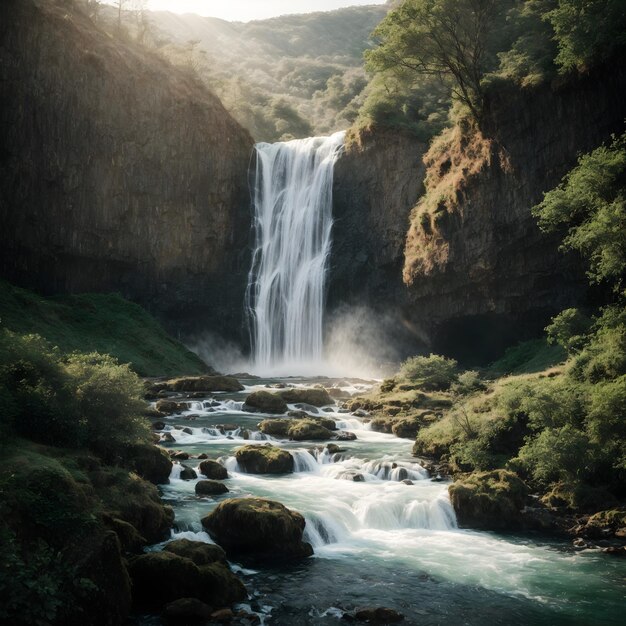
(444, 38)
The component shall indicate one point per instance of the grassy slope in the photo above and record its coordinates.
(102, 322)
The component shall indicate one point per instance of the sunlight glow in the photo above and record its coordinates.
(246, 10)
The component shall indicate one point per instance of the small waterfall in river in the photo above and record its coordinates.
(293, 220)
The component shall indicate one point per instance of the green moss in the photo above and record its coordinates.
(315, 397)
(489, 500)
(264, 459)
(308, 430)
(98, 322)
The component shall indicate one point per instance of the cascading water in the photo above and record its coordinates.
(293, 220)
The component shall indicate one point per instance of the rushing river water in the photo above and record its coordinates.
(382, 542)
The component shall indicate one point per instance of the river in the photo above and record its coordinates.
(382, 542)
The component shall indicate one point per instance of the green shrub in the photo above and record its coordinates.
(568, 329)
(558, 454)
(467, 382)
(432, 373)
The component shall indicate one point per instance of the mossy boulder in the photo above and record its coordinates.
(407, 427)
(170, 407)
(265, 402)
(258, 529)
(308, 430)
(199, 552)
(213, 470)
(163, 577)
(210, 488)
(128, 498)
(148, 461)
(606, 524)
(204, 383)
(315, 397)
(275, 427)
(264, 460)
(187, 611)
(489, 500)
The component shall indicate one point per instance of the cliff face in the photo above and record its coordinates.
(485, 270)
(118, 172)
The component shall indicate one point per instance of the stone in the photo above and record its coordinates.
(275, 427)
(213, 470)
(343, 435)
(315, 397)
(308, 430)
(258, 529)
(179, 455)
(169, 407)
(210, 488)
(148, 461)
(188, 473)
(187, 611)
(223, 616)
(199, 552)
(207, 384)
(489, 500)
(264, 459)
(264, 402)
(379, 615)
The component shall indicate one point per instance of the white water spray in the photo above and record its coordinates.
(293, 220)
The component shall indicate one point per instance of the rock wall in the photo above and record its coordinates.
(502, 278)
(118, 172)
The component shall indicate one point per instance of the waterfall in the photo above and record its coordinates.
(292, 224)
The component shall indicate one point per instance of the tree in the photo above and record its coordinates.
(590, 204)
(444, 38)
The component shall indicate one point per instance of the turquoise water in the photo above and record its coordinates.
(381, 542)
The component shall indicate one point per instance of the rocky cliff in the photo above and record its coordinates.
(118, 172)
(478, 267)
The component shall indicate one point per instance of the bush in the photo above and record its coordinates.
(467, 382)
(568, 329)
(72, 401)
(108, 399)
(431, 373)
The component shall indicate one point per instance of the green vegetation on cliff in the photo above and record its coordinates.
(105, 323)
(562, 430)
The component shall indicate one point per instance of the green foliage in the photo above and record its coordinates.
(558, 454)
(450, 39)
(587, 31)
(33, 582)
(568, 329)
(527, 357)
(530, 59)
(604, 356)
(590, 206)
(468, 382)
(431, 373)
(75, 400)
(104, 323)
(108, 399)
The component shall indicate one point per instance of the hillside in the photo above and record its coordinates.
(105, 323)
(294, 75)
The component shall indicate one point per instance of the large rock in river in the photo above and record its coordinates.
(259, 529)
(199, 552)
(162, 577)
(213, 470)
(489, 500)
(308, 430)
(150, 462)
(265, 402)
(204, 383)
(315, 397)
(264, 460)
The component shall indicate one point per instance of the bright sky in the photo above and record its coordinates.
(245, 10)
